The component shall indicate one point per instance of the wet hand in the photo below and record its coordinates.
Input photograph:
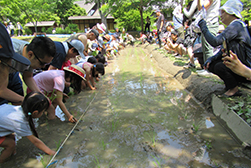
(72, 119)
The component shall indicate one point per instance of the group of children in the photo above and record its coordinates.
(49, 69)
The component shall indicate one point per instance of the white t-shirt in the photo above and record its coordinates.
(12, 119)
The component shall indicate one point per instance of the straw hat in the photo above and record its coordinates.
(77, 70)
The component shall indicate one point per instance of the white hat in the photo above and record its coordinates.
(101, 27)
(79, 46)
(233, 7)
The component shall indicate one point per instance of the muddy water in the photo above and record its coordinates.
(142, 117)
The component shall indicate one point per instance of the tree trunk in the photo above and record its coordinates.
(103, 17)
(141, 18)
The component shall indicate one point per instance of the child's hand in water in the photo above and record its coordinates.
(72, 119)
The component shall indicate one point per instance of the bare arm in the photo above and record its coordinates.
(207, 4)
(233, 63)
(40, 145)
(29, 81)
(6, 93)
(59, 101)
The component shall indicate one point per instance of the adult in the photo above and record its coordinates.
(211, 18)
(238, 41)
(101, 28)
(7, 56)
(64, 52)
(11, 28)
(19, 29)
(175, 44)
(83, 37)
(148, 23)
(178, 21)
(160, 25)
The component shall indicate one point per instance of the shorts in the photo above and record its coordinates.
(2, 139)
(15, 84)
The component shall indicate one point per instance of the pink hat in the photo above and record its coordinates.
(101, 27)
(154, 30)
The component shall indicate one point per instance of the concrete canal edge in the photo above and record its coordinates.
(204, 89)
(233, 121)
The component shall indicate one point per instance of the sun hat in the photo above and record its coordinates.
(79, 46)
(7, 51)
(77, 70)
(107, 37)
(233, 7)
(101, 27)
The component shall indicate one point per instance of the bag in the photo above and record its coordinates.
(197, 47)
(197, 50)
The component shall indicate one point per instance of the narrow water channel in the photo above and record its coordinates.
(142, 118)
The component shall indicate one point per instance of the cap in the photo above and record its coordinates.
(174, 32)
(157, 10)
(79, 46)
(96, 33)
(6, 48)
(233, 7)
(101, 27)
(168, 24)
(100, 42)
(94, 46)
(76, 70)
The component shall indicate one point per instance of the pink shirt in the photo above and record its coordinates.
(49, 80)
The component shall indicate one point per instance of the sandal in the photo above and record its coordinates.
(72, 119)
(238, 93)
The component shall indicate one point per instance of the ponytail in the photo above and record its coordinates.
(34, 101)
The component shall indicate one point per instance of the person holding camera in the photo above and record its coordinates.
(235, 38)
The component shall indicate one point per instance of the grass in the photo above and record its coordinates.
(42, 160)
(96, 161)
(152, 138)
(196, 127)
(103, 144)
(157, 162)
(58, 143)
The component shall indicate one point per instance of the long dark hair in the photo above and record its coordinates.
(34, 101)
(75, 80)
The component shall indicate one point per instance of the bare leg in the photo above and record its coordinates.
(190, 54)
(231, 92)
(9, 148)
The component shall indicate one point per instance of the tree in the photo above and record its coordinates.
(33, 10)
(103, 13)
(140, 5)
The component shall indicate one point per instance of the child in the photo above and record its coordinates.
(91, 71)
(52, 83)
(18, 119)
